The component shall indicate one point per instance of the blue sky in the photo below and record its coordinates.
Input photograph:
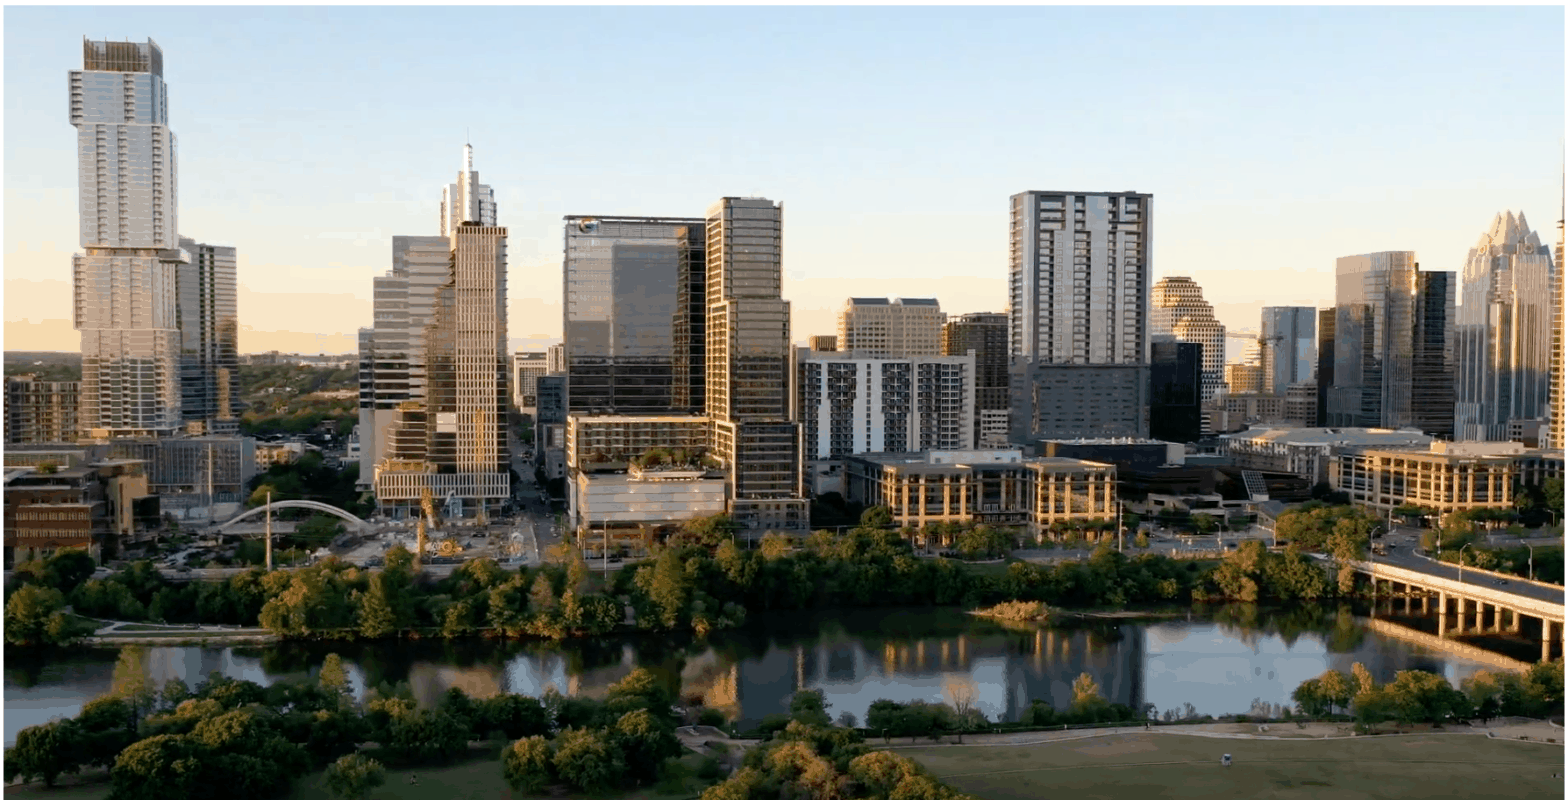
(1273, 140)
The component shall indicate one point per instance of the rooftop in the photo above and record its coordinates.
(1372, 437)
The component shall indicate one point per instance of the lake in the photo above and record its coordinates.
(1219, 660)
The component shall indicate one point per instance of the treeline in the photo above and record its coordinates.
(686, 587)
(238, 740)
(1419, 696)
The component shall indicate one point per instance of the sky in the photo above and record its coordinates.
(1274, 140)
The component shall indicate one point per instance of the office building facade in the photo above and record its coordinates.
(748, 366)
(898, 327)
(1179, 313)
(848, 405)
(1070, 401)
(985, 335)
(1325, 371)
(448, 442)
(634, 310)
(1554, 438)
(527, 368)
(1176, 391)
(1503, 331)
(1289, 346)
(1393, 355)
(125, 278)
(207, 316)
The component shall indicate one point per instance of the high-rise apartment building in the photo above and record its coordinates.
(847, 403)
(1289, 345)
(1078, 314)
(41, 412)
(1503, 331)
(1079, 271)
(447, 435)
(1393, 355)
(898, 327)
(985, 335)
(748, 364)
(208, 320)
(634, 310)
(1176, 391)
(125, 278)
(1179, 313)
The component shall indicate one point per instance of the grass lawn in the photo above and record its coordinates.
(478, 778)
(1147, 765)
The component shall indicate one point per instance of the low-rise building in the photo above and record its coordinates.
(998, 487)
(99, 508)
(1306, 452)
(1125, 453)
(621, 508)
(270, 453)
(1446, 476)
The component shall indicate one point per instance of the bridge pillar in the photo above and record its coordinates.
(1442, 614)
(1425, 606)
(1462, 612)
(1407, 602)
(1548, 633)
(1513, 624)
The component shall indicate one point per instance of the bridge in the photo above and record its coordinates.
(1494, 599)
(362, 525)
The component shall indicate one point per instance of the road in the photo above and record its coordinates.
(1404, 556)
(1159, 543)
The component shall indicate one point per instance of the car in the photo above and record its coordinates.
(1501, 581)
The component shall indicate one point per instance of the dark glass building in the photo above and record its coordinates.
(986, 335)
(633, 290)
(1176, 391)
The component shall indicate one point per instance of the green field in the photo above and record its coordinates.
(476, 779)
(1140, 766)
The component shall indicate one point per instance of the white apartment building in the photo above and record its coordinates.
(848, 404)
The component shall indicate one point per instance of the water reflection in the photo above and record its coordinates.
(1218, 661)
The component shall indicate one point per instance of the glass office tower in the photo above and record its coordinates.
(1393, 333)
(1289, 346)
(209, 337)
(1503, 331)
(125, 278)
(634, 314)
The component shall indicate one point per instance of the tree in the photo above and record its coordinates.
(353, 776)
(1141, 541)
(587, 760)
(644, 742)
(45, 751)
(35, 616)
(333, 677)
(809, 707)
(1336, 689)
(1087, 700)
(876, 517)
(132, 683)
(515, 716)
(157, 767)
(527, 765)
(1309, 697)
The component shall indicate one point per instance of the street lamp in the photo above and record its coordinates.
(1532, 561)
(1461, 563)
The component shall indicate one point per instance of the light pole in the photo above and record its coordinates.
(1532, 561)
(1121, 515)
(1461, 563)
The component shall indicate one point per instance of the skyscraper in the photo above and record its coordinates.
(878, 327)
(1555, 430)
(748, 365)
(1176, 391)
(1078, 314)
(1179, 313)
(986, 335)
(849, 403)
(208, 320)
(634, 310)
(1325, 371)
(1393, 328)
(1289, 346)
(1503, 331)
(1079, 272)
(440, 363)
(125, 280)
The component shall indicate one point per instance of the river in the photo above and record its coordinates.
(1218, 660)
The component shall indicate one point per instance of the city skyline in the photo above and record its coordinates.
(1348, 193)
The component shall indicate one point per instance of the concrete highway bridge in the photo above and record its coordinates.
(1480, 601)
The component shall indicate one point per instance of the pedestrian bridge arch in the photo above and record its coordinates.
(362, 525)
